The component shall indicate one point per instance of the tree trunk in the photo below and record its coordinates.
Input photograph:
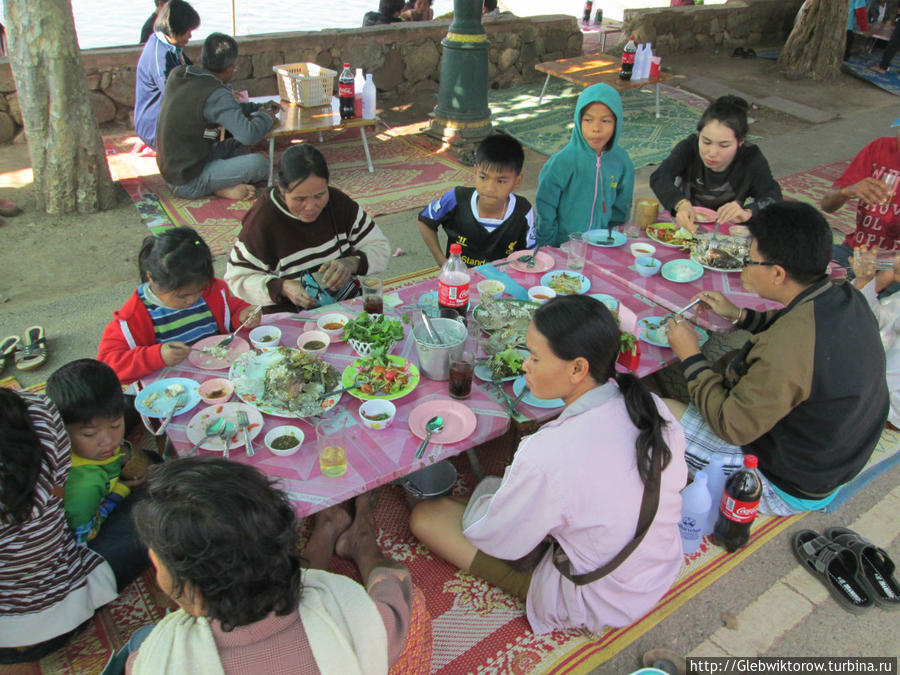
(815, 47)
(67, 156)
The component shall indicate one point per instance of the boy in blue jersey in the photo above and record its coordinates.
(488, 221)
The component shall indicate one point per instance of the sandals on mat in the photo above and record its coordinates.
(876, 567)
(32, 351)
(7, 349)
(837, 566)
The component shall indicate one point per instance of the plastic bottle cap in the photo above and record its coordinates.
(750, 461)
(455, 249)
(346, 65)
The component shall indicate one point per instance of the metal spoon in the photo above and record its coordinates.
(180, 402)
(227, 341)
(226, 433)
(212, 429)
(434, 426)
(432, 333)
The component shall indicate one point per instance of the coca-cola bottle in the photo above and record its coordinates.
(738, 507)
(345, 92)
(453, 283)
(628, 59)
(588, 5)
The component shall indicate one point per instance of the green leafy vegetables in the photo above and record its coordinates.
(377, 329)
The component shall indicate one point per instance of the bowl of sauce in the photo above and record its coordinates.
(284, 440)
(333, 324)
(216, 390)
(314, 341)
(265, 338)
(377, 414)
(541, 294)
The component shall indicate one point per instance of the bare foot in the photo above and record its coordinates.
(362, 531)
(237, 192)
(878, 69)
(327, 528)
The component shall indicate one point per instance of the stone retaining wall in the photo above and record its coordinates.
(404, 60)
(737, 23)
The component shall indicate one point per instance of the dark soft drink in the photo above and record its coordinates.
(628, 59)
(586, 18)
(374, 305)
(453, 283)
(460, 379)
(346, 93)
(738, 507)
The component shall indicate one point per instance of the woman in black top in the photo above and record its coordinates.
(716, 168)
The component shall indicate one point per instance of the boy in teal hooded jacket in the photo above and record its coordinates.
(588, 184)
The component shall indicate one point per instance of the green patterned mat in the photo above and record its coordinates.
(547, 128)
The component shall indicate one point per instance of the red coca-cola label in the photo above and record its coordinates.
(453, 296)
(345, 89)
(736, 510)
(628, 57)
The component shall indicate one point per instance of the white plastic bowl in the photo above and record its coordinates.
(647, 266)
(284, 430)
(541, 294)
(313, 336)
(640, 249)
(265, 338)
(491, 287)
(216, 385)
(333, 317)
(377, 407)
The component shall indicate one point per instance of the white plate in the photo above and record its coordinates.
(533, 400)
(598, 238)
(196, 428)
(162, 405)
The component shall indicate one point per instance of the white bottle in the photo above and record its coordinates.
(369, 94)
(695, 503)
(358, 82)
(649, 60)
(639, 61)
(715, 473)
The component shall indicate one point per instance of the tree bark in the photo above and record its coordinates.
(67, 156)
(815, 47)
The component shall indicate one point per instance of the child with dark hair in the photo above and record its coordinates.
(179, 302)
(568, 483)
(90, 401)
(164, 51)
(388, 12)
(716, 168)
(488, 221)
(588, 184)
(49, 585)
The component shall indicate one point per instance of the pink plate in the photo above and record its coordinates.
(543, 263)
(459, 421)
(237, 347)
(196, 428)
(704, 215)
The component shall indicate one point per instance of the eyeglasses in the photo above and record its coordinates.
(746, 262)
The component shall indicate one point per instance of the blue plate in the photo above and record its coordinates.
(702, 335)
(682, 271)
(598, 238)
(428, 302)
(611, 303)
(530, 399)
(550, 276)
(161, 405)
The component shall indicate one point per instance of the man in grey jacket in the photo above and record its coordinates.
(196, 103)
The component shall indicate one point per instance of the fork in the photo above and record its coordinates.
(244, 424)
(224, 342)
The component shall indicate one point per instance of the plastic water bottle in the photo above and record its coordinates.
(453, 283)
(695, 503)
(358, 83)
(715, 472)
(628, 59)
(737, 510)
(345, 92)
(369, 94)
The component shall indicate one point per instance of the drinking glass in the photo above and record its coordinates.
(890, 179)
(576, 250)
(372, 295)
(332, 441)
(461, 369)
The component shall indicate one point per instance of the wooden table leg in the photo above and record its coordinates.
(271, 158)
(546, 82)
(362, 133)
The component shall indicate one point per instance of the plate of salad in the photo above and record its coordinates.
(380, 375)
(501, 367)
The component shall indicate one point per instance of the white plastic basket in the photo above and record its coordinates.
(305, 84)
(365, 348)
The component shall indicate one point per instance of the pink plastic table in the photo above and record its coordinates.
(373, 457)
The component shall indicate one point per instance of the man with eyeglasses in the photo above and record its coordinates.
(806, 393)
(196, 103)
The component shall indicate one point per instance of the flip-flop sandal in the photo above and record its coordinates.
(876, 566)
(32, 350)
(738, 51)
(7, 349)
(749, 54)
(836, 566)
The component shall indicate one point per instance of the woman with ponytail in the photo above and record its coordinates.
(597, 488)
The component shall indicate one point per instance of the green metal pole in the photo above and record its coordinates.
(462, 115)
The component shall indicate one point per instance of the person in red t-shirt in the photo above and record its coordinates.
(872, 180)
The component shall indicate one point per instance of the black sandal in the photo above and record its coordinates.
(836, 566)
(876, 569)
(7, 350)
(32, 350)
(738, 51)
